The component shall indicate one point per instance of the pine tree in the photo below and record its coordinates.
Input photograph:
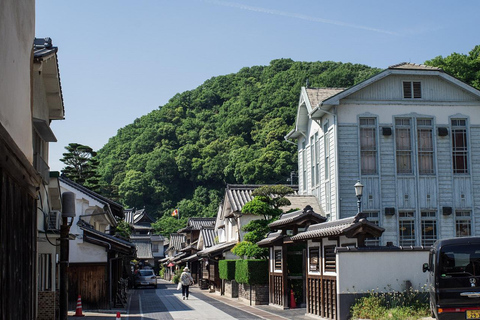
(81, 166)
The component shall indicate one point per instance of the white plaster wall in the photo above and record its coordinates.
(84, 252)
(380, 271)
(17, 29)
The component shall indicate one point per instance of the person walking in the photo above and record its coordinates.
(186, 280)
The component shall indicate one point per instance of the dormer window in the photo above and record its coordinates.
(412, 90)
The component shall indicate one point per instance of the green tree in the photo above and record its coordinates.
(461, 66)
(230, 129)
(168, 224)
(123, 229)
(81, 166)
(266, 202)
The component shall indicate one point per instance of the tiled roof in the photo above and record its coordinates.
(208, 235)
(198, 223)
(337, 228)
(298, 217)
(42, 47)
(117, 209)
(216, 249)
(413, 66)
(87, 228)
(177, 241)
(239, 194)
(301, 201)
(317, 95)
(271, 238)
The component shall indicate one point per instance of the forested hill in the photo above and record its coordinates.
(228, 130)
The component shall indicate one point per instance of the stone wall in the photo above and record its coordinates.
(231, 289)
(259, 294)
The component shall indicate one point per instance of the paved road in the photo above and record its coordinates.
(165, 303)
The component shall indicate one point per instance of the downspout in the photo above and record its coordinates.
(109, 270)
(335, 141)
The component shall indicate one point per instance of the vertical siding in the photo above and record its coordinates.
(348, 169)
(388, 186)
(445, 186)
(475, 161)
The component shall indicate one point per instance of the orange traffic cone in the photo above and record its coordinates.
(78, 310)
(118, 315)
(293, 304)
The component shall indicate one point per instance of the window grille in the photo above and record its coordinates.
(429, 228)
(406, 226)
(330, 258)
(278, 259)
(463, 224)
(403, 145)
(368, 145)
(425, 146)
(314, 258)
(412, 90)
(459, 146)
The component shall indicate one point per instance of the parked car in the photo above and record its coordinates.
(145, 277)
(454, 278)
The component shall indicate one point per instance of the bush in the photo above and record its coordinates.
(251, 271)
(408, 304)
(176, 277)
(226, 269)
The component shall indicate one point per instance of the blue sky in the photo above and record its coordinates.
(121, 59)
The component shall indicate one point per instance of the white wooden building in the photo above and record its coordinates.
(410, 134)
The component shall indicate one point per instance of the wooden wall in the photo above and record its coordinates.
(90, 281)
(18, 232)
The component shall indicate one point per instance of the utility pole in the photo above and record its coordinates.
(68, 211)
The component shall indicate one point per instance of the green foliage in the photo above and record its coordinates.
(249, 250)
(81, 166)
(123, 229)
(168, 224)
(407, 305)
(274, 195)
(226, 269)
(176, 276)
(230, 129)
(461, 66)
(162, 270)
(256, 230)
(251, 271)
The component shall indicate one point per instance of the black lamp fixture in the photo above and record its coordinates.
(359, 192)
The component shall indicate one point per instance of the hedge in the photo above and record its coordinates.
(226, 269)
(251, 271)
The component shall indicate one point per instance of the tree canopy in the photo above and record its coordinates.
(228, 130)
(81, 166)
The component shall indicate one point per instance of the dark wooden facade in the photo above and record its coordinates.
(322, 296)
(18, 232)
(91, 282)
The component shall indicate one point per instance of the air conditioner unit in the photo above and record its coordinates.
(54, 220)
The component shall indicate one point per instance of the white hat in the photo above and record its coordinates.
(186, 269)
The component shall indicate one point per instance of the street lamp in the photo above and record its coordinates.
(359, 192)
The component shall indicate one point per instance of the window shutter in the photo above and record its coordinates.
(407, 90)
(417, 90)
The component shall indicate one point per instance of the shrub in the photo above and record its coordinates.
(409, 304)
(251, 271)
(226, 269)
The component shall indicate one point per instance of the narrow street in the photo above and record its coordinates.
(165, 303)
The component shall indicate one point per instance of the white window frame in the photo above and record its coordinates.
(463, 217)
(414, 93)
(368, 125)
(428, 217)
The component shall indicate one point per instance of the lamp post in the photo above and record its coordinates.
(68, 213)
(359, 192)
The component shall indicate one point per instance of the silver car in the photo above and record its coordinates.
(145, 277)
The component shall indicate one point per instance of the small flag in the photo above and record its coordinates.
(175, 213)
